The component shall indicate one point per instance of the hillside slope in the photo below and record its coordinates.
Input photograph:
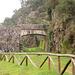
(59, 14)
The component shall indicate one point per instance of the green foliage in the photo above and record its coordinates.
(28, 41)
(34, 4)
(33, 20)
(64, 12)
(51, 36)
(45, 28)
(65, 46)
(49, 11)
(43, 12)
(73, 49)
(68, 46)
(66, 9)
(71, 39)
(64, 26)
(53, 4)
(42, 44)
(8, 21)
(21, 13)
(41, 9)
(50, 3)
(37, 41)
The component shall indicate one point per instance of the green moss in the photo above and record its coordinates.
(65, 46)
(42, 44)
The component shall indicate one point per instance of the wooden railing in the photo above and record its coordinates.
(6, 56)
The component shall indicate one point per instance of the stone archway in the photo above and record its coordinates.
(11, 35)
(31, 41)
(26, 32)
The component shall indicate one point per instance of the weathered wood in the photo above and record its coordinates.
(31, 61)
(59, 65)
(26, 61)
(16, 59)
(6, 57)
(73, 66)
(43, 62)
(49, 63)
(51, 54)
(66, 67)
(10, 58)
(13, 59)
(37, 60)
(22, 61)
(19, 58)
(0, 56)
(53, 64)
(50, 59)
(73, 61)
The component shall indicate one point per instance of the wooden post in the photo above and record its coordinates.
(44, 61)
(22, 60)
(19, 58)
(73, 66)
(49, 63)
(65, 67)
(0, 56)
(8, 56)
(59, 64)
(16, 60)
(37, 61)
(13, 59)
(53, 63)
(31, 61)
(4, 58)
(26, 61)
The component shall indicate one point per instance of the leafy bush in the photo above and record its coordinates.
(34, 4)
(65, 46)
(66, 8)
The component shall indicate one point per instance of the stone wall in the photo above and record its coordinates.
(11, 35)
